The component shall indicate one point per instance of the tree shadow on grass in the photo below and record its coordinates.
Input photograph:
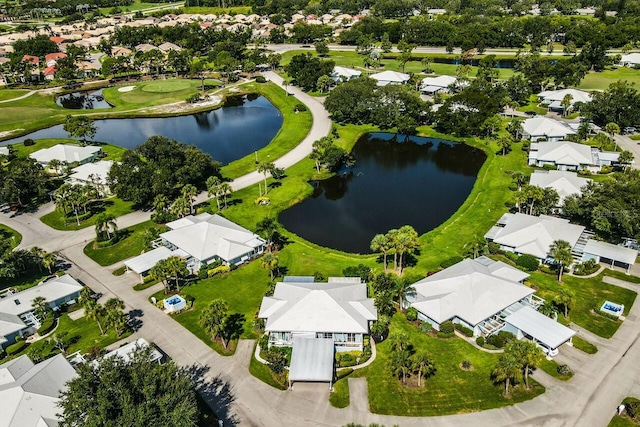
(216, 393)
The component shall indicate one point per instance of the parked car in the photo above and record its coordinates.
(628, 130)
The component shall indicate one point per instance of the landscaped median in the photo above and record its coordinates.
(12, 235)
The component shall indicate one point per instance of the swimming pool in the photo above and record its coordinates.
(612, 308)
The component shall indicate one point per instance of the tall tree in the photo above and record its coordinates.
(94, 311)
(565, 299)
(528, 355)
(40, 307)
(80, 127)
(424, 365)
(213, 188)
(405, 242)
(265, 168)
(212, 319)
(189, 192)
(612, 129)
(560, 251)
(105, 224)
(138, 391)
(380, 243)
(507, 369)
(268, 228)
(270, 262)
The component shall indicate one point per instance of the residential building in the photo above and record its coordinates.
(339, 310)
(433, 85)
(67, 153)
(543, 128)
(613, 255)
(4, 151)
(30, 393)
(570, 156)
(533, 235)
(17, 315)
(208, 238)
(126, 351)
(144, 47)
(565, 183)
(344, 73)
(482, 294)
(630, 60)
(553, 98)
(94, 174)
(390, 78)
(168, 46)
(141, 264)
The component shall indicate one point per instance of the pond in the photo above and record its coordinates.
(416, 181)
(243, 125)
(83, 101)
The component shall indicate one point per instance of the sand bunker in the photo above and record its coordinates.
(126, 88)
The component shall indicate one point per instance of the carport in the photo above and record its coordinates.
(312, 360)
(539, 327)
(611, 254)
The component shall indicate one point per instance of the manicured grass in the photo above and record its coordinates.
(264, 374)
(136, 6)
(339, 397)
(242, 289)
(130, 244)
(551, 368)
(624, 420)
(112, 206)
(602, 80)
(584, 345)
(295, 127)
(6, 94)
(166, 86)
(10, 233)
(588, 293)
(451, 390)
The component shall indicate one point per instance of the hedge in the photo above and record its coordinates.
(412, 314)
(466, 331)
(447, 327)
(16, 348)
(46, 326)
(528, 262)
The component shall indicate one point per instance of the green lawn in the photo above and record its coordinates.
(295, 127)
(624, 420)
(137, 6)
(112, 206)
(10, 233)
(602, 80)
(339, 397)
(584, 345)
(450, 391)
(588, 294)
(234, 10)
(6, 94)
(264, 373)
(130, 244)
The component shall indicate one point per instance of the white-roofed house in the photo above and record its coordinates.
(553, 98)
(141, 264)
(533, 235)
(565, 183)
(614, 255)
(390, 78)
(4, 151)
(537, 128)
(208, 238)
(67, 153)
(168, 46)
(126, 351)
(92, 174)
(482, 294)
(30, 393)
(433, 85)
(569, 156)
(16, 309)
(344, 73)
(630, 60)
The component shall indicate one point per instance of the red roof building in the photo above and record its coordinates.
(50, 71)
(32, 59)
(54, 56)
(57, 40)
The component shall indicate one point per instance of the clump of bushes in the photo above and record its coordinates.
(46, 326)
(447, 330)
(494, 248)
(547, 270)
(464, 330)
(17, 347)
(564, 370)
(193, 98)
(528, 262)
(425, 327)
(299, 107)
(451, 261)
(512, 256)
(277, 359)
(29, 142)
(588, 267)
(412, 314)
(480, 341)
(632, 406)
(218, 270)
(605, 169)
(500, 339)
(261, 79)
(347, 359)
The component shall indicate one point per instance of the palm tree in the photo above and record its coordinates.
(189, 192)
(612, 129)
(56, 165)
(380, 243)
(548, 309)
(264, 168)
(94, 311)
(180, 207)
(225, 189)
(625, 158)
(160, 272)
(405, 242)
(477, 246)
(213, 188)
(176, 268)
(520, 179)
(267, 228)
(270, 262)
(160, 203)
(40, 307)
(49, 260)
(566, 103)
(424, 365)
(530, 357)
(560, 251)
(519, 198)
(533, 194)
(62, 198)
(565, 299)
(404, 289)
(507, 369)
(504, 143)
(105, 223)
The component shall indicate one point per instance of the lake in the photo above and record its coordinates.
(243, 125)
(418, 181)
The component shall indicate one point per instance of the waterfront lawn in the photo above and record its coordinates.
(9, 233)
(130, 244)
(154, 92)
(451, 390)
(295, 127)
(588, 294)
(111, 206)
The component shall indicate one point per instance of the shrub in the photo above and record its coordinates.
(277, 360)
(16, 348)
(263, 342)
(425, 327)
(451, 261)
(548, 167)
(203, 273)
(500, 339)
(506, 336)
(299, 107)
(513, 257)
(633, 408)
(547, 270)
(444, 335)
(466, 364)
(564, 370)
(343, 373)
(29, 142)
(466, 331)
(480, 341)
(447, 327)
(193, 98)
(318, 276)
(261, 79)
(494, 248)
(218, 270)
(605, 169)
(189, 299)
(412, 314)
(528, 262)
(46, 326)
(345, 357)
